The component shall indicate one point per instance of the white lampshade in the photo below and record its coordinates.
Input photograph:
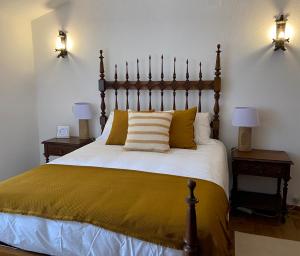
(82, 111)
(245, 117)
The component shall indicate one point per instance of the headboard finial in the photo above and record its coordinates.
(218, 62)
(162, 68)
(116, 73)
(127, 76)
(150, 75)
(174, 72)
(101, 65)
(187, 75)
(200, 71)
(137, 70)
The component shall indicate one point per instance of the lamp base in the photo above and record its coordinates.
(245, 139)
(84, 129)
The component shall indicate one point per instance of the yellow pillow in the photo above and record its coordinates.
(118, 132)
(182, 129)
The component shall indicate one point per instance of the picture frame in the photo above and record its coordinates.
(63, 132)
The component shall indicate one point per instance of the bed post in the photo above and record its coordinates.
(217, 89)
(191, 243)
(102, 89)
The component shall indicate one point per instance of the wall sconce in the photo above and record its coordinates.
(281, 38)
(61, 44)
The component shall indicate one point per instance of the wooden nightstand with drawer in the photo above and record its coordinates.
(264, 163)
(60, 147)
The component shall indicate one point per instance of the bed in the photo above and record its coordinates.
(69, 180)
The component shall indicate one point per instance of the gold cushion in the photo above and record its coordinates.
(182, 129)
(118, 132)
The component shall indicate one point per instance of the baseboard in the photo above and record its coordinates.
(294, 207)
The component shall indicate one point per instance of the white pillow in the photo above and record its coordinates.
(105, 134)
(202, 129)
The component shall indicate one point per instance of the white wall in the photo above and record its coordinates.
(253, 74)
(18, 119)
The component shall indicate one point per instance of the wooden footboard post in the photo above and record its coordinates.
(102, 89)
(191, 243)
(217, 89)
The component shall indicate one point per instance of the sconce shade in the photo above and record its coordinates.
(82, 111)
(245, 117)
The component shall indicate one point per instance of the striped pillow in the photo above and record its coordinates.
(148, 131)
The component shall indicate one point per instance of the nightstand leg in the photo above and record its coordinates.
(278, 186)
(234, 192)
(47, 158)
(284, 208)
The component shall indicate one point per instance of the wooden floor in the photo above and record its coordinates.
(6, 251)
(268, 226)
(240, 222)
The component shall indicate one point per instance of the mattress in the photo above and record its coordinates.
(208, 162)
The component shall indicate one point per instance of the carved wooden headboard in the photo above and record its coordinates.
(163, 85)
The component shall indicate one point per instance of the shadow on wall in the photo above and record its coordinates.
(268, 117)
(280, 5)
(63, 16)
(295, 53)
(258, 56)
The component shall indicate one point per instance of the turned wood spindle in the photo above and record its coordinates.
(174, 88)
(150, 95)
(161, 86)
(162, 99)
(138, 100)
(217, 89)
(127, 89)
(187, 75)
(191, 244)
(138, 80)
(127, 96)
(116, 88)
(150, 90)
(174, 99)
(102, 88)
(200, 92)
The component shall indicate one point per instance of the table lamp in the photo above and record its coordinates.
(245, 118)
(83, 112)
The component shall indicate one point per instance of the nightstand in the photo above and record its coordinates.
(264, 163)
(60, 147)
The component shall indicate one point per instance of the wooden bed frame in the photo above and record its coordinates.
(191, 244)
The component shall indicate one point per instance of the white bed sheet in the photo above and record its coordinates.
(208, 162)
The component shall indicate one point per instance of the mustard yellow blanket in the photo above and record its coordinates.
(147, 206)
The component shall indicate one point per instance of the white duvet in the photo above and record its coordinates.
(208, 162)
